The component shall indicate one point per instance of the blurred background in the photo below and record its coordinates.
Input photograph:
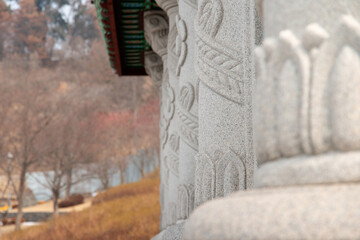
(68, 124)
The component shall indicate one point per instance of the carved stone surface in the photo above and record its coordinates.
(335, 101)
(314, 212)
(282, 99)
(154, 67)
(181, 45)
(169, 6)
(185, 200)
(304, 105)
(170, 135)
(187, 104)
(259, 28)
(219, 176)
(224, 65)
(156, 29)
(306, 114)
(173, 232)
(307, 107)
(319, 169)
(295, 15)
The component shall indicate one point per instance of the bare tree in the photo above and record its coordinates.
(69, 141)
(30, 113)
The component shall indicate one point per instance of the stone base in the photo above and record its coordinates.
(330, 168)
(304, 212)
(173, 232)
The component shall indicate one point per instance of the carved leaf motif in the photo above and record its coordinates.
(193, 125)
(191, 137)
(221, 83)
(187, 96)
(164, 137)
(210, 16)
(181, 28)
(181, 46)
(174, 143)
(224, 61)
(182, 57)
(185, 200)
(178, 46)
(169, 106)
(345, 100)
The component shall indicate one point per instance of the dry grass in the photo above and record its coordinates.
(130, 211)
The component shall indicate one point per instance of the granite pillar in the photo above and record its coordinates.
(156, 27)
(224, 64)
(170, 135)
(187, 106)
(306, 109)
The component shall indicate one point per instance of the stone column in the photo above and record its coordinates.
(307, 103)
(156, 29)
(307, 186)
(187, 105)
(170, 135)
(224, 65)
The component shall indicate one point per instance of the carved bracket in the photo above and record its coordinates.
(154, 67)
(156, 28)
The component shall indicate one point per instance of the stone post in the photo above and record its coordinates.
(187, 106)
(169, 122)
(156, 29)
(308, 140)
(224, 65)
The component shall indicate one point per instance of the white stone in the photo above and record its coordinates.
(187, 107)
(308, 170)
(224, 65)
(170, 135)
(295, 15)
(325, 212)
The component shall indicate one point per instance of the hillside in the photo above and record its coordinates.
(129, 211)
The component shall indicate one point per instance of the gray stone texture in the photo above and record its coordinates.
(156, 29)
(173, 232)
(302, 103)
(307, 170)
(154, 67)
(187, 106)
(169, 122)
(225, 41)
(305, 118)
(296, 15)
(315, 212)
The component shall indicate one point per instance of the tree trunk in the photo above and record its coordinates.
(142, 172)
(20, 198)
(142, 165)
(68, 183)
(122, 176)
(55, 203)
(105, 182)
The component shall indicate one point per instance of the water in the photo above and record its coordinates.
(37, 181)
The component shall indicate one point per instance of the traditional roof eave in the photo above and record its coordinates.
(106, 16)
(121, 22)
